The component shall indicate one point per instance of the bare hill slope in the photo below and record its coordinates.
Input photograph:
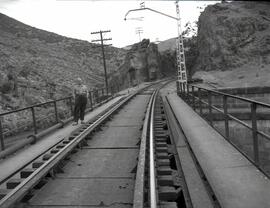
(39, 65)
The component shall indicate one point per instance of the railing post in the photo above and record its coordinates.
(182, 90)
(254, 133)
(90, 99)
(55, 111)
(34, 120)
(200, 100)
(210, 108)
(185, 87)
(178, 90)
(193, 98)
(226, 118)
(71, 108)
(2, 136)
(97, 99)
(187, 94)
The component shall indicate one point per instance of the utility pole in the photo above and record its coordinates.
(139, 31)
(181, 65)
(180, 53)
(101, 40)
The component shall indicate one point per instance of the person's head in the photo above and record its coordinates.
(79, 81)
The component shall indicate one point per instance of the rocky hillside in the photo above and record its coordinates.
(167, 51)
(141, 64)
(166, 45)
(37, 65)
(234, 44)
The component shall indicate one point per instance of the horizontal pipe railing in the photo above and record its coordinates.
(95, 97)
(195, 98)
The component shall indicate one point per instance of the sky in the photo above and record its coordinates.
(78, 18)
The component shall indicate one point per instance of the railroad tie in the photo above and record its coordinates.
(26, 172)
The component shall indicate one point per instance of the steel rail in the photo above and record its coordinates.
(21, 190)
(153, 193)
(35, 158)
(29, 183)
(138, 199)
(153, 186)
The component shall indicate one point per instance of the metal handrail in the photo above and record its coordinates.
(93, 95)
(235, 119)
(48, 102)
(192, 99)
(232, 96)
(33, 106)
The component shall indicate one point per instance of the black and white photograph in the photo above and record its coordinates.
(134, 104)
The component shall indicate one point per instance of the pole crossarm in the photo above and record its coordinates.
(134, 10)
(101, 40)
(98, 40)
(101, 31)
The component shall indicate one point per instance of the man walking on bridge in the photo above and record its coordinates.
(81, 97)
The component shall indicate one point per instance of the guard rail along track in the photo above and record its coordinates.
(159, 180)
(50, 162)
(156, 178)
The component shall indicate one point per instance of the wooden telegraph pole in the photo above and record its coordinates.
(101, 40)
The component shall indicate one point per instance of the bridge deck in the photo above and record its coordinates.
(16, 161)
(102, 174)
(234, 179)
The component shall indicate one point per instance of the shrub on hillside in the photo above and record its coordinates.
(6, 88)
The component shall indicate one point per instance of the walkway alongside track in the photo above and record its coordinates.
(16, 161)
(235, 181)
(102, 173)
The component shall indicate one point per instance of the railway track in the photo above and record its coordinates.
(125, 157)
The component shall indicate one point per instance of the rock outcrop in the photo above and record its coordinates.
(234, 37)
(142, 64)
(167, 51)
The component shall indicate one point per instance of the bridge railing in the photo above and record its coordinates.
(54, 111)
(226, 118)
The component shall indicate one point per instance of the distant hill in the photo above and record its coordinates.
(127, 47)
(169, 44)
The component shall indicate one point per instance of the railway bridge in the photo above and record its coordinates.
(149, 146)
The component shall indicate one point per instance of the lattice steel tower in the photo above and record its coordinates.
(180, 54)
